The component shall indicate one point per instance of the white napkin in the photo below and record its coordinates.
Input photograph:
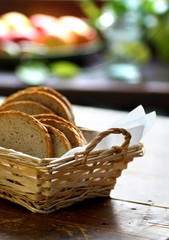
(136, 122)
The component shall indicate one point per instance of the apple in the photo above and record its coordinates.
(42, 21)
(19, 27)
(16, 20)
(82, 31)
(4, 30)
(53, 33)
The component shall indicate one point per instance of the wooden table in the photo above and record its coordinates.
(138, 208)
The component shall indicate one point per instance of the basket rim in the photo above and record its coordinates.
(88, 150)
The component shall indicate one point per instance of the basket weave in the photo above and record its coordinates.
(45, 185)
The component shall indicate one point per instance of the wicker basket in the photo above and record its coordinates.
(45, 185)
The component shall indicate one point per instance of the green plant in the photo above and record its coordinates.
(155, 25)
(153, 21)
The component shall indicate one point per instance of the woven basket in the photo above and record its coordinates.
(45, 185)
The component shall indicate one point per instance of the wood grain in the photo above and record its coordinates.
(93, 219)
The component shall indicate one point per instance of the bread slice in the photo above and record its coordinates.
(59, 141)
(69, 132)
(23, 133)
(58, 118)
(46, 99)
(28, 107)
(56, 94)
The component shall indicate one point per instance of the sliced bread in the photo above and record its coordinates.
(23, 133)
(58, 118)
(46, 99)
(70, 132)
(56, 94)
(29, 107)
(59, 141)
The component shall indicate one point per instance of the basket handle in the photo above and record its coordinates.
(100, 136)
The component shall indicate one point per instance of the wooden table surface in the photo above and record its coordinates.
(138, 208)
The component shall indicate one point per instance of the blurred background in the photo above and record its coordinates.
(111, 54)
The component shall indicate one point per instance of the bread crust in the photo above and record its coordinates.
(58, 118)
(70, 132)
(53, 92)
(64, 101)
(56, 124)
(28, 107)
(46, 99)
(23, 133)
(60, 142)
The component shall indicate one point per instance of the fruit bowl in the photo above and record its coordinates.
(45, 37)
